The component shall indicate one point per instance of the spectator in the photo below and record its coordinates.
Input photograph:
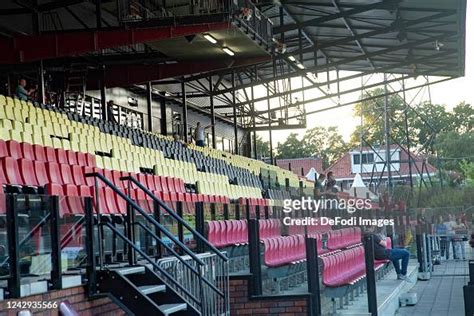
(450, 223)
(441, 229)
(458, 240)
(110, 112)
(176, 137)
(199, 134)
(330, 182)
(319, 183)
(22, 93)
(395, 255)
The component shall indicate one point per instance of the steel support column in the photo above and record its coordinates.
(185, 111)
(163, 117)
(103, 97)
(149, 109)
(387, 136)
(41, 83)
(213, 114)
(234, 114)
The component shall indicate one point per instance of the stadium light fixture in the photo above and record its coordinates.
(210, 38)
(300, 65)
(228, 51)
(291, 58)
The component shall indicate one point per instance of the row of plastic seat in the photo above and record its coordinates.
(308, 229)
(284, 250)
(224, 233)
(343, 238)
(18, 150)
(348, 266)
(344, 267)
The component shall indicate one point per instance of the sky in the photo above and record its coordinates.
(448, 93)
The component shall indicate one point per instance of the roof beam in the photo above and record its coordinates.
(385, 4)
(443, 54)
(303, 72)
(391, 28)
(22, 49)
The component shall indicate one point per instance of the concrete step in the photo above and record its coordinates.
(150, 289)
(168, 309)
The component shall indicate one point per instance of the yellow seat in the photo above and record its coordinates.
(47, 141)
(26, 137)
(15, 135)
(37, 139)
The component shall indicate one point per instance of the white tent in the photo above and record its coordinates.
(358, 183)
(359, 188)
(312, 175)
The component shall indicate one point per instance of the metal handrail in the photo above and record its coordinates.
(150, 260)
(176, 216)
(144, 214)
(156, 224)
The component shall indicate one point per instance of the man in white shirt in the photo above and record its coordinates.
(199, 134)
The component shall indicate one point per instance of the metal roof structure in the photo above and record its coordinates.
(273, 43)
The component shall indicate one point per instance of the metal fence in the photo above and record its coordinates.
(215, 270)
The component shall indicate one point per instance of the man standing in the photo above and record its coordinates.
(199, 135)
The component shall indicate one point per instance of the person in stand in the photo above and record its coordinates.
(330, 182)
(395, 255)
(450, 223)
(22, 93)
(319, 183)
(110, 112)
(459, 238)
(199, 134)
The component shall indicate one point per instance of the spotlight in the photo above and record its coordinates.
(291, 58)
(228, 51)
(300, 65)
(210, 38)
(438, 45)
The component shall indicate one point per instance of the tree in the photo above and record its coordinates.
(325, 143)
(468, 169)
(452, 148)
(372, 112)
(292, 147)
(263, 147)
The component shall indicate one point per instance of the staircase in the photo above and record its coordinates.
(139, 291)
(189, 284)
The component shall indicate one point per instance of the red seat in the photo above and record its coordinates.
(116, 175)
(41, 173)
(71, 157)
(54, 189)
(27, 151)
(28, 174)
(66, 174)
(54, 173)
(3, 149)
(14, 149)
(11, 170)
(50, 154)
(90, 181)
(81, 159)
(78, 175)
(39, 153)
(90, 160)
(61, 156)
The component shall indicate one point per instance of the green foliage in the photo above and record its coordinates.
(468, 169)
(452, 148)
(263, 147)
(437, 197)
(432, 129)
(292, 147)
(322, 142)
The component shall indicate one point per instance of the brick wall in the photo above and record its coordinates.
(242, 304)
(76, 296)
